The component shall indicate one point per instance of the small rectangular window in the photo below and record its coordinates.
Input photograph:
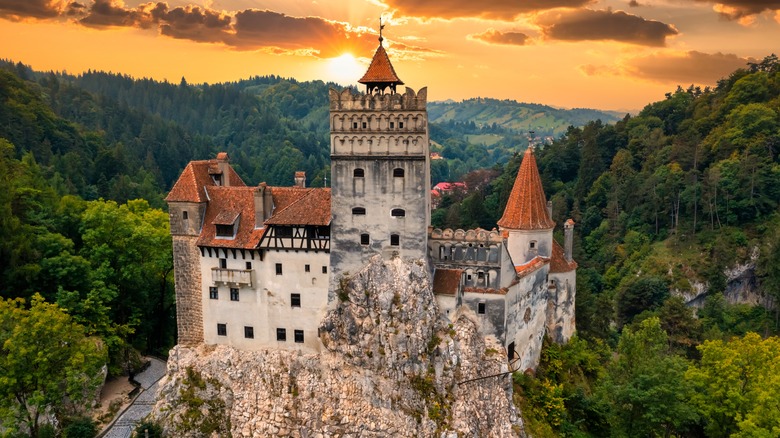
(248, 265)
(221, 329)
(401, 125)
(225, 230)
(358, 173)
(307, 268)
(481, 308)
(324, 269)
(364, 239)
(233, 294)
(394, 239)
(223, 263)
(249, 332)
(185, 215)
(299, 336)
(278, 269)
(392, 125)
(281, 334)
(295, 300)
(359, 211)
(354, 125)
(398, 172)
(364, 125)
(213, 293)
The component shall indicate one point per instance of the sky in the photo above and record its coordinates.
(604, 54)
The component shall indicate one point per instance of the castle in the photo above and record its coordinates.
(258, 267)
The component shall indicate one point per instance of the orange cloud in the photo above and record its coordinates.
(682, 68)
(492, 36)
(741, 9)
(41, 9)
(588, 24)
(497, 9)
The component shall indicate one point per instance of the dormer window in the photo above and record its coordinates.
(226, 224)
(217, 178)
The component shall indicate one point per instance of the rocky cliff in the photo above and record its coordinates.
(391, 367)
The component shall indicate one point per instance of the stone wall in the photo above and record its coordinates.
(187, 278)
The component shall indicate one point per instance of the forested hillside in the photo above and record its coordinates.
(678, 204)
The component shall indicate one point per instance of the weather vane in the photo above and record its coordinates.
(381, 26)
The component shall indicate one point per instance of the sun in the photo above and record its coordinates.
(345, 69)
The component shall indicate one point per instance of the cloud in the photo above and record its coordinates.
(41, 9)
(107, 13)
(196, 24)
(497, 9)
(741, 9)
(492, 36)
(587, 24)
(681, 68)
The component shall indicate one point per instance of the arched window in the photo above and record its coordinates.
(398, 172)
(360, 211)
(358, 173)
(398, 212)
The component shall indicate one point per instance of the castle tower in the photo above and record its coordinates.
(526, 221)
(380, 165)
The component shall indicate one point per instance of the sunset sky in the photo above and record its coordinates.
(603, 54)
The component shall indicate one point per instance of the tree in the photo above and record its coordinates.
(737, 386)
(45, 361)
(646, 293)
(645, 386)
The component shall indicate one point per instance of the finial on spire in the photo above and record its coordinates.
(381, 26)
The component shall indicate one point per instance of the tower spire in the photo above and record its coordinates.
(380, 74)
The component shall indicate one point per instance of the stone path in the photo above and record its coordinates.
(143, 404)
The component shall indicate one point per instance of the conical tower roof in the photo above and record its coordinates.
(526, 208)
(380, 73)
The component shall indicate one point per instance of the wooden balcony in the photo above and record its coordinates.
(242, 277)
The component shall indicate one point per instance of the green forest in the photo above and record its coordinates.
(676, 211)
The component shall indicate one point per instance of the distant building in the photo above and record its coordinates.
(257, 267)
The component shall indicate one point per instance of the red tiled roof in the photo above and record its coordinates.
(526, 208)
(224, 202)
(558, 262)
(380, 70)
(447, 281)
(300, 206)
(535, 263)
(195, 177)
(482, 290)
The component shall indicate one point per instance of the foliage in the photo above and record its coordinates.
(148, 429)
(81, 427)
(737, 386)
(47, 359)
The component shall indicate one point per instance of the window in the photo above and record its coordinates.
(358, 173)
(213, 293)
(249, 332)
(299, 336)
(359, 211)
(295, 300)
(278, 269)
(392, 125)
(401, 125)
(364, 125)
(354, 125)
(281, 334)
(533, 244)
(221, 329)
(307, 268)
(233, 294)
(480, 275)
(185, 215)
(398, 172)
(248, 265)
(394, 239)
(324, 269)
(398, 212)
(481, 308)
(364, 240)
(224, 230)
(284, 231)
(223, 263)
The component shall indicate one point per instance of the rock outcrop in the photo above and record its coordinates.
(392, 366)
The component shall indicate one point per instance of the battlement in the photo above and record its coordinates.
(347, 100)
(475, 236)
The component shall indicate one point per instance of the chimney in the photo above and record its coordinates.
(300, 179)
(259, 205)
(568, 239)
(549, 209)
(268, 203)
(222, 162)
